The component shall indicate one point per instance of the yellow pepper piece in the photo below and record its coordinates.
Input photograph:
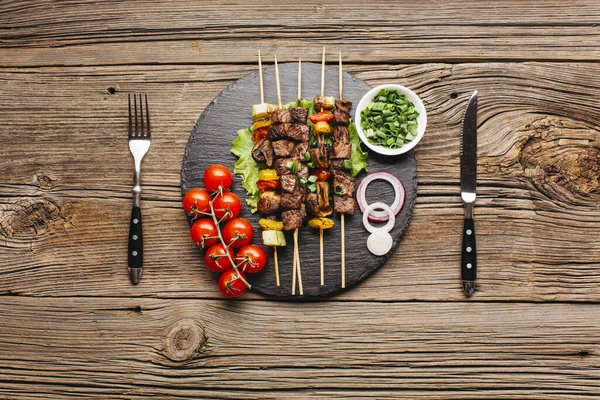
(259, 123)
(270, 224)
(268, 175)
(322, 127)
(321, 223)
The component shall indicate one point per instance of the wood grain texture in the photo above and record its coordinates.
(48, 33)
(215, 349)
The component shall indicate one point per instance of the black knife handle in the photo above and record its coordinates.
(135, 257)
(468, 267)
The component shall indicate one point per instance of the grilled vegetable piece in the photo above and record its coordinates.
(322, 128)
(341, 118)
(264, 186)
(282, 148)
(278, 131)
(299, 114)
(318, 203)
(274, 238)
(292, 219)
(318, 155)
(341, 150)
(289, 183)
(263, 152)
(326, 116)
(321, 223)
(297, 132)
(281, 115)
(270, 224)
(343, 105)
(268, 202)
(268, 174)
(262, 110)
(324, 103)
(343, 205)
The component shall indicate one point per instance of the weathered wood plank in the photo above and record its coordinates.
(47, 33)
(65, 189)
(193, 348)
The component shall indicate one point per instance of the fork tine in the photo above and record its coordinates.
(142, 130)
(136, 118)
(147, 117)
(129, 111)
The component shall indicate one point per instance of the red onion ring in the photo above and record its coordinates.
(400, 195)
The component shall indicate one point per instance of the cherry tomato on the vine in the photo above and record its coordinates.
(217, 176)
(196, 201)
(216, 258)
(237, 232)
(323, 174)
(227, 205)
(204, 233)
(251, 258)
(230, 283)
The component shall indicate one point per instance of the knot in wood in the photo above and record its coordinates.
(560, 158)
(45, 182)
(185, 340)
(29, 217)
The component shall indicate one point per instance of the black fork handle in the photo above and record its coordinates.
(469, 253)
(136, 244)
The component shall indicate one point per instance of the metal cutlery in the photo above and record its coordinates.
(139, 143)
(468, 185)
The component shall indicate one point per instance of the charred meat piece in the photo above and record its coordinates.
(281, 166)
(299, 150)
(268, 202)
(292, 219)
(282, 148)
(278, 131)
(340, 134)
(343, 184)
(263, 152)
(302, 171)
(341, 117)
(341, 150)
(299, 114)
(289, 183)
(318, 203)
(336, 165)
(343, 105)
(280, 116)
(318, 155)
(297, 132)
(292, 201)
(343, 205)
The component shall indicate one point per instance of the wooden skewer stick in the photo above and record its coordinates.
(342, 216)
(321, 254)
(297, 252)
(299, 80)
(323, 73)
(277, 82)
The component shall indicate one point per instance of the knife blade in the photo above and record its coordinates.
(468, 185)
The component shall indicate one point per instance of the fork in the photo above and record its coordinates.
(139, 143)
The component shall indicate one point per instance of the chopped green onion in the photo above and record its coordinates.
(339, 190)
(292, 166)
(307, 156)
(312, 178)
(311, 187)
(303, 181)
(310, 164)
(348, 164)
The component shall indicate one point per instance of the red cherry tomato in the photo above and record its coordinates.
(227, 205)
(264, 186)
(204, 233)
(217, 176)
(252, 258)
(196, 202)
(230, 283)
(323, 174)
(216, 258)
(237, 233)
(260, 134)
(326, 116)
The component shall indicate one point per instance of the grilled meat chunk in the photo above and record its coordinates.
(318, 203)
(292, 219)
(299, 114)
(341, 150)
(340, 134)
(281, 166)
(277, 131)
(268, 202)
(289, 183)
(302, 171)
(282, 148)
(318, 155)
(292, 201)
(297, 132)
(343, 184)
(341, 117)
(263, 152)
(343, 105)
(280, 116)
(343, 205)
(299, 150)
(336, 165)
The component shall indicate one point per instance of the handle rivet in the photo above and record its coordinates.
(135, 221)
(469, 231)
(135, 237)
(468, 248)
(134, 253)
(469, 265)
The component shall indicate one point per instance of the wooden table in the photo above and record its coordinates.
(71, 325)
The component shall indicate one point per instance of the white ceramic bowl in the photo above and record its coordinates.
(421, 119)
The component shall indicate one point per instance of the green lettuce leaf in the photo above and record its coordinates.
(358, 156)
(245, 166)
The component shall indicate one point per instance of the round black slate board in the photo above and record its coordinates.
(210, 143)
